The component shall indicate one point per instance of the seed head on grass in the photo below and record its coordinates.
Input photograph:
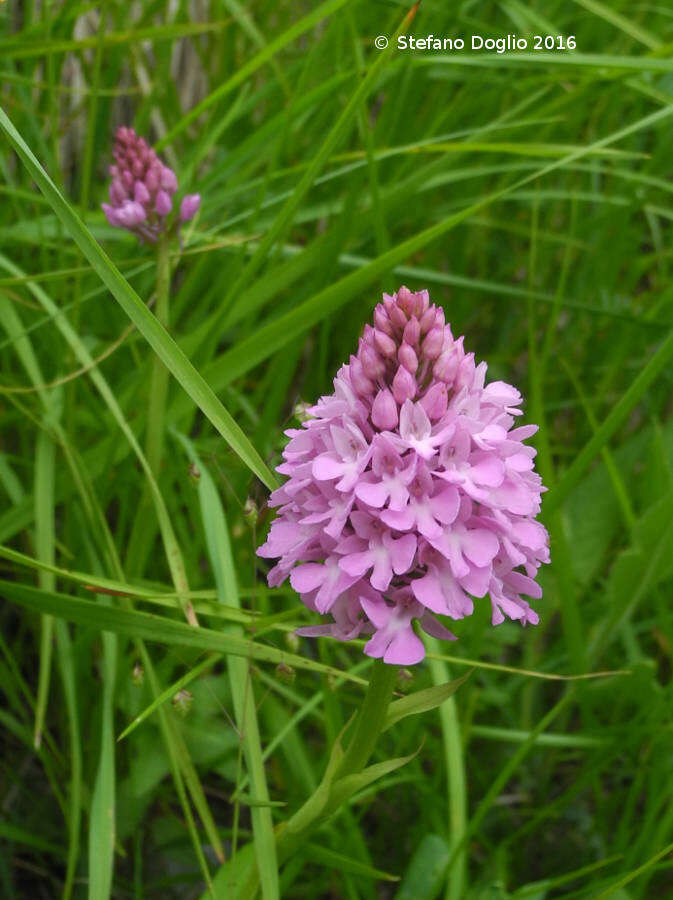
(409, 491)
(142, 189)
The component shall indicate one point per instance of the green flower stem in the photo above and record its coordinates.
(144, 530)
(242, 871)
(370, 719)
(159, 380)
(456, 886)
(365, 734)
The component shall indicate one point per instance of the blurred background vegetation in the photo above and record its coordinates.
(532, 194)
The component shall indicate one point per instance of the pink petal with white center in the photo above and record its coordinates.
(356, 564)
(377, 611)
(373, 493)
(488, 471)
(402, 552)
(515, 498)
(524, 585)
(438, 591)
(283, 537)
(501, 394)
(477, 580)
(489, 437)
(382, 572)
(326, 467)
(307, 577)
(428, 591)
(480, 546)
(445, 505)
(405, 649)
(400, 520)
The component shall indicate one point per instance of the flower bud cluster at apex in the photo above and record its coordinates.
(142, 189)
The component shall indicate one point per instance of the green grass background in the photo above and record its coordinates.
(531, 194)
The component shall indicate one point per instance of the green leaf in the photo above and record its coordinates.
(152, 330)
(245, 71)
(236, 293)
(271, 337)
(424, 876)
(168, 694)
(422, 701)
(333, 860)
(171, 546)
(103, 820)
(638, 569)
(155, 628)
(343, 788)
(242, 689)
(615, 889)
(25, 49)
(18, 835)
(617, 416)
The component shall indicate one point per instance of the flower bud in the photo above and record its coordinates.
(405, 678)
(140, 192)
(182, 701)
(372, 363)
(404, 385)
(285, 674)
(117, 192)
(445, 367)
(111, 215)
(250, 512)
(189, 207)
(163, 203)
(422, 302)
(382, 321)
(384, 344)
(408, 358)
(384, 410)
(292, 641)
(168, 180)
(427, 320)
(435, 401)
(152, 181)
(432, 345)
(412, 331)
(406, 300)
(131, 214)
(464, 372)
(359, 380)
(397, 317)
(138, 674)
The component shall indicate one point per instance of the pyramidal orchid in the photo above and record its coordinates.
(142, 189)
(410, 492)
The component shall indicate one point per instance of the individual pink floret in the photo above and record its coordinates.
(409, 493)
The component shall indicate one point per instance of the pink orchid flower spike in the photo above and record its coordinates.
(409, 493)
(142, 189)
